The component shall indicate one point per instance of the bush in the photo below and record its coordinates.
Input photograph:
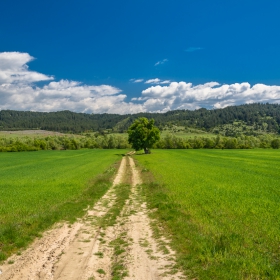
(275, 143)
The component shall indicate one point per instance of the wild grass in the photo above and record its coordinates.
(31, 133)
(119, 270)
(38, 189)
(220, 208)
(122, 192)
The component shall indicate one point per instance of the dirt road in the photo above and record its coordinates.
(92, 248)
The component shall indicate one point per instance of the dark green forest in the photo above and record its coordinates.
(250, 119)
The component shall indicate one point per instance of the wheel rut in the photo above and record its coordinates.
(92, 249)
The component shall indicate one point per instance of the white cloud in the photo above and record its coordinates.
(19, 91)
(137, 80)
(165, 82)
(161, 62)
(153, 81)
(62, 95)
(13, 69)
(184, 95)
(157, 81)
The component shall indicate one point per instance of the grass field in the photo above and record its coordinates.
(221, 209)
(181, 132)
(30, 133)
(38, 189)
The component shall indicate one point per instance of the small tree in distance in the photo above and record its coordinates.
(142, 134)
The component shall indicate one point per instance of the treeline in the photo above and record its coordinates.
(119, 142)
(62, 143)
(256, 114)
(260, 116)
(63, 121)
(242, 142)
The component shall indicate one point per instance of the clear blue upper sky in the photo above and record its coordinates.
(145, 52)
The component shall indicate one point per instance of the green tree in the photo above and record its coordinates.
(231, 143)
(142, 134)
(275, 143)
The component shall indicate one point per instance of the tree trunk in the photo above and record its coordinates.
(146, 150)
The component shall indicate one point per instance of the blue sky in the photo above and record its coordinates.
(131, 56)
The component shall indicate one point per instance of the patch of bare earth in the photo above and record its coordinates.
(145, 257)
(85, 250)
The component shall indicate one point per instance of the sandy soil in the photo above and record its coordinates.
(86, 251)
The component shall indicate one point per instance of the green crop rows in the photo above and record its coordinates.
(38, 189)
(220, 208)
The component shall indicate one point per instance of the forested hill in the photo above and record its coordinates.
(265, 117)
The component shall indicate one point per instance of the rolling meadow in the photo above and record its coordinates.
(220, 208)
(38, 189)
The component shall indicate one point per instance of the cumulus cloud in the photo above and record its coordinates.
(19, 91)
(184, 95)
(62, 95)
(13, 69)
(161, 62)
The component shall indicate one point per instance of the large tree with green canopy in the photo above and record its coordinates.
(142, 134)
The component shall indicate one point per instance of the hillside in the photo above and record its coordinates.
(231, 121)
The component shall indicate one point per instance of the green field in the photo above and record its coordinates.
(38, 189)
(30, 133)
(220, 208)
(182, 132)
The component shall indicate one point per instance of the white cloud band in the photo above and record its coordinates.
(18, 91)
(184, 95)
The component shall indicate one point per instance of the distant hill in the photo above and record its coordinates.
(249, 118)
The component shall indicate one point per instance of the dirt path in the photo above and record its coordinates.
(88, 250)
